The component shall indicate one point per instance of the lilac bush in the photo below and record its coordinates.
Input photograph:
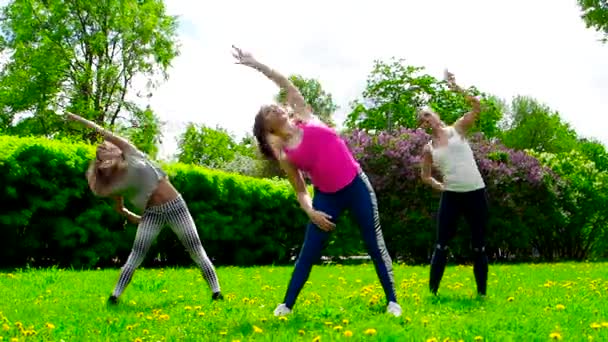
(521, 192)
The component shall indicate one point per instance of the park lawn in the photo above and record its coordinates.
(526, 302)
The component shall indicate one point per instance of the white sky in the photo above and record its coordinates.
(539, 48)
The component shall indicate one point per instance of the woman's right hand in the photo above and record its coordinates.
(322, 220)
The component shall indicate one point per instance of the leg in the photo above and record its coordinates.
(476, 214)
(364, 207)
(447, 218)
(149, 227)
(313, 245)
(184, 227)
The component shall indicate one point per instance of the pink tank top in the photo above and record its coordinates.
(324, 156)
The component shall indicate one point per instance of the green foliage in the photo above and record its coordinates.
(584, 201)
(51, 217)
(396, 91)
(540, 302)
(595, 15)
(533, 125)
(319, 100)
(206, 146)
(81, 56)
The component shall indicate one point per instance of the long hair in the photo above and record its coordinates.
(103, 175)
(260, 131)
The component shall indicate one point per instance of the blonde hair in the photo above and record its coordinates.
(103, 174)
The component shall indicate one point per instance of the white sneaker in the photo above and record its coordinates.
(394, 309)
(282, 310)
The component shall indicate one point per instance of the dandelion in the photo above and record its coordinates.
(6, 327)
(560, 307)
(145, 332)
(370, 331)
(432, 339)
(316, 339)
(478, 338)
(338, 328)
(163, 317)
(510, 299)
(555, 336)
(345, 322)
(14, 339)
(605, 324)
(348, 333)
(140, 314)
(163, 291)
(257, 330)
(137, 340)
(223, 333)
(132, 302)
(329, 324)
(301, 332)
(201, 314)
(595, 325)
(130, 327)
(198, 307)
(187, 308)
(283, 318)
(50, 326)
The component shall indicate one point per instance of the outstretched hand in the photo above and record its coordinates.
(243, 57)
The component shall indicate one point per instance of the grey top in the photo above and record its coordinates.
(141, 179)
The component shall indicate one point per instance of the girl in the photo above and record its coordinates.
(306, 144)
(121, 170)
(463, 189)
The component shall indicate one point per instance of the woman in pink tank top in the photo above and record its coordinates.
(305, 144)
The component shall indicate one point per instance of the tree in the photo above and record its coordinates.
(202, 145)
(321, 102)
(533, 125)
(81, 56)
(595, 15)
(396, 91)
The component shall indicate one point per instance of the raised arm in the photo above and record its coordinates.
(467, 121)
(294, 97)
(120, 142)
(427, 165)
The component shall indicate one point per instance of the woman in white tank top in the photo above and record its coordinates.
(463, 189)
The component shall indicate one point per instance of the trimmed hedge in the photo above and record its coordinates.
(51, 218)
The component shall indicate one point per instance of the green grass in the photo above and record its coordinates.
(525, 303)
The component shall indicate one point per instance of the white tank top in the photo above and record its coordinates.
(457, 164)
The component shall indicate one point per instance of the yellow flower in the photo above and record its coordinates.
(145, 332)
(257, 330)
(6, 327)
(198, 307)
(345, 321)
(163, 317)
(19, 325)
(329, 323)
(188, 307)
(14, 339)
(432, 339)
(301, 332)
(348, 333)
(595, 325)
(132, 302)
(236, 340)
(223, 333)
(478, 338)
(50, 326)
(555, 336)
(338, 328)
(510, 299)
(316, 339)
(130, 327)
(163, 291)
(137, 340)
(560, 307)
(201, 314)
(605, 324)
(140, 314)
(370, 331)
(282, 318)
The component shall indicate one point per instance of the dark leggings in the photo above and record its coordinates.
(473, 205)
(360, 199)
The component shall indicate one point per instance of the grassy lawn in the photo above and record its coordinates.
(567, 301)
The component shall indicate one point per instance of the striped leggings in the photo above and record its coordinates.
(174, 213)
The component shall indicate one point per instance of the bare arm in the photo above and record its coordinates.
(427, 165)
(120, 142)
(294, 97)
(467, 121)
(120, 208)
